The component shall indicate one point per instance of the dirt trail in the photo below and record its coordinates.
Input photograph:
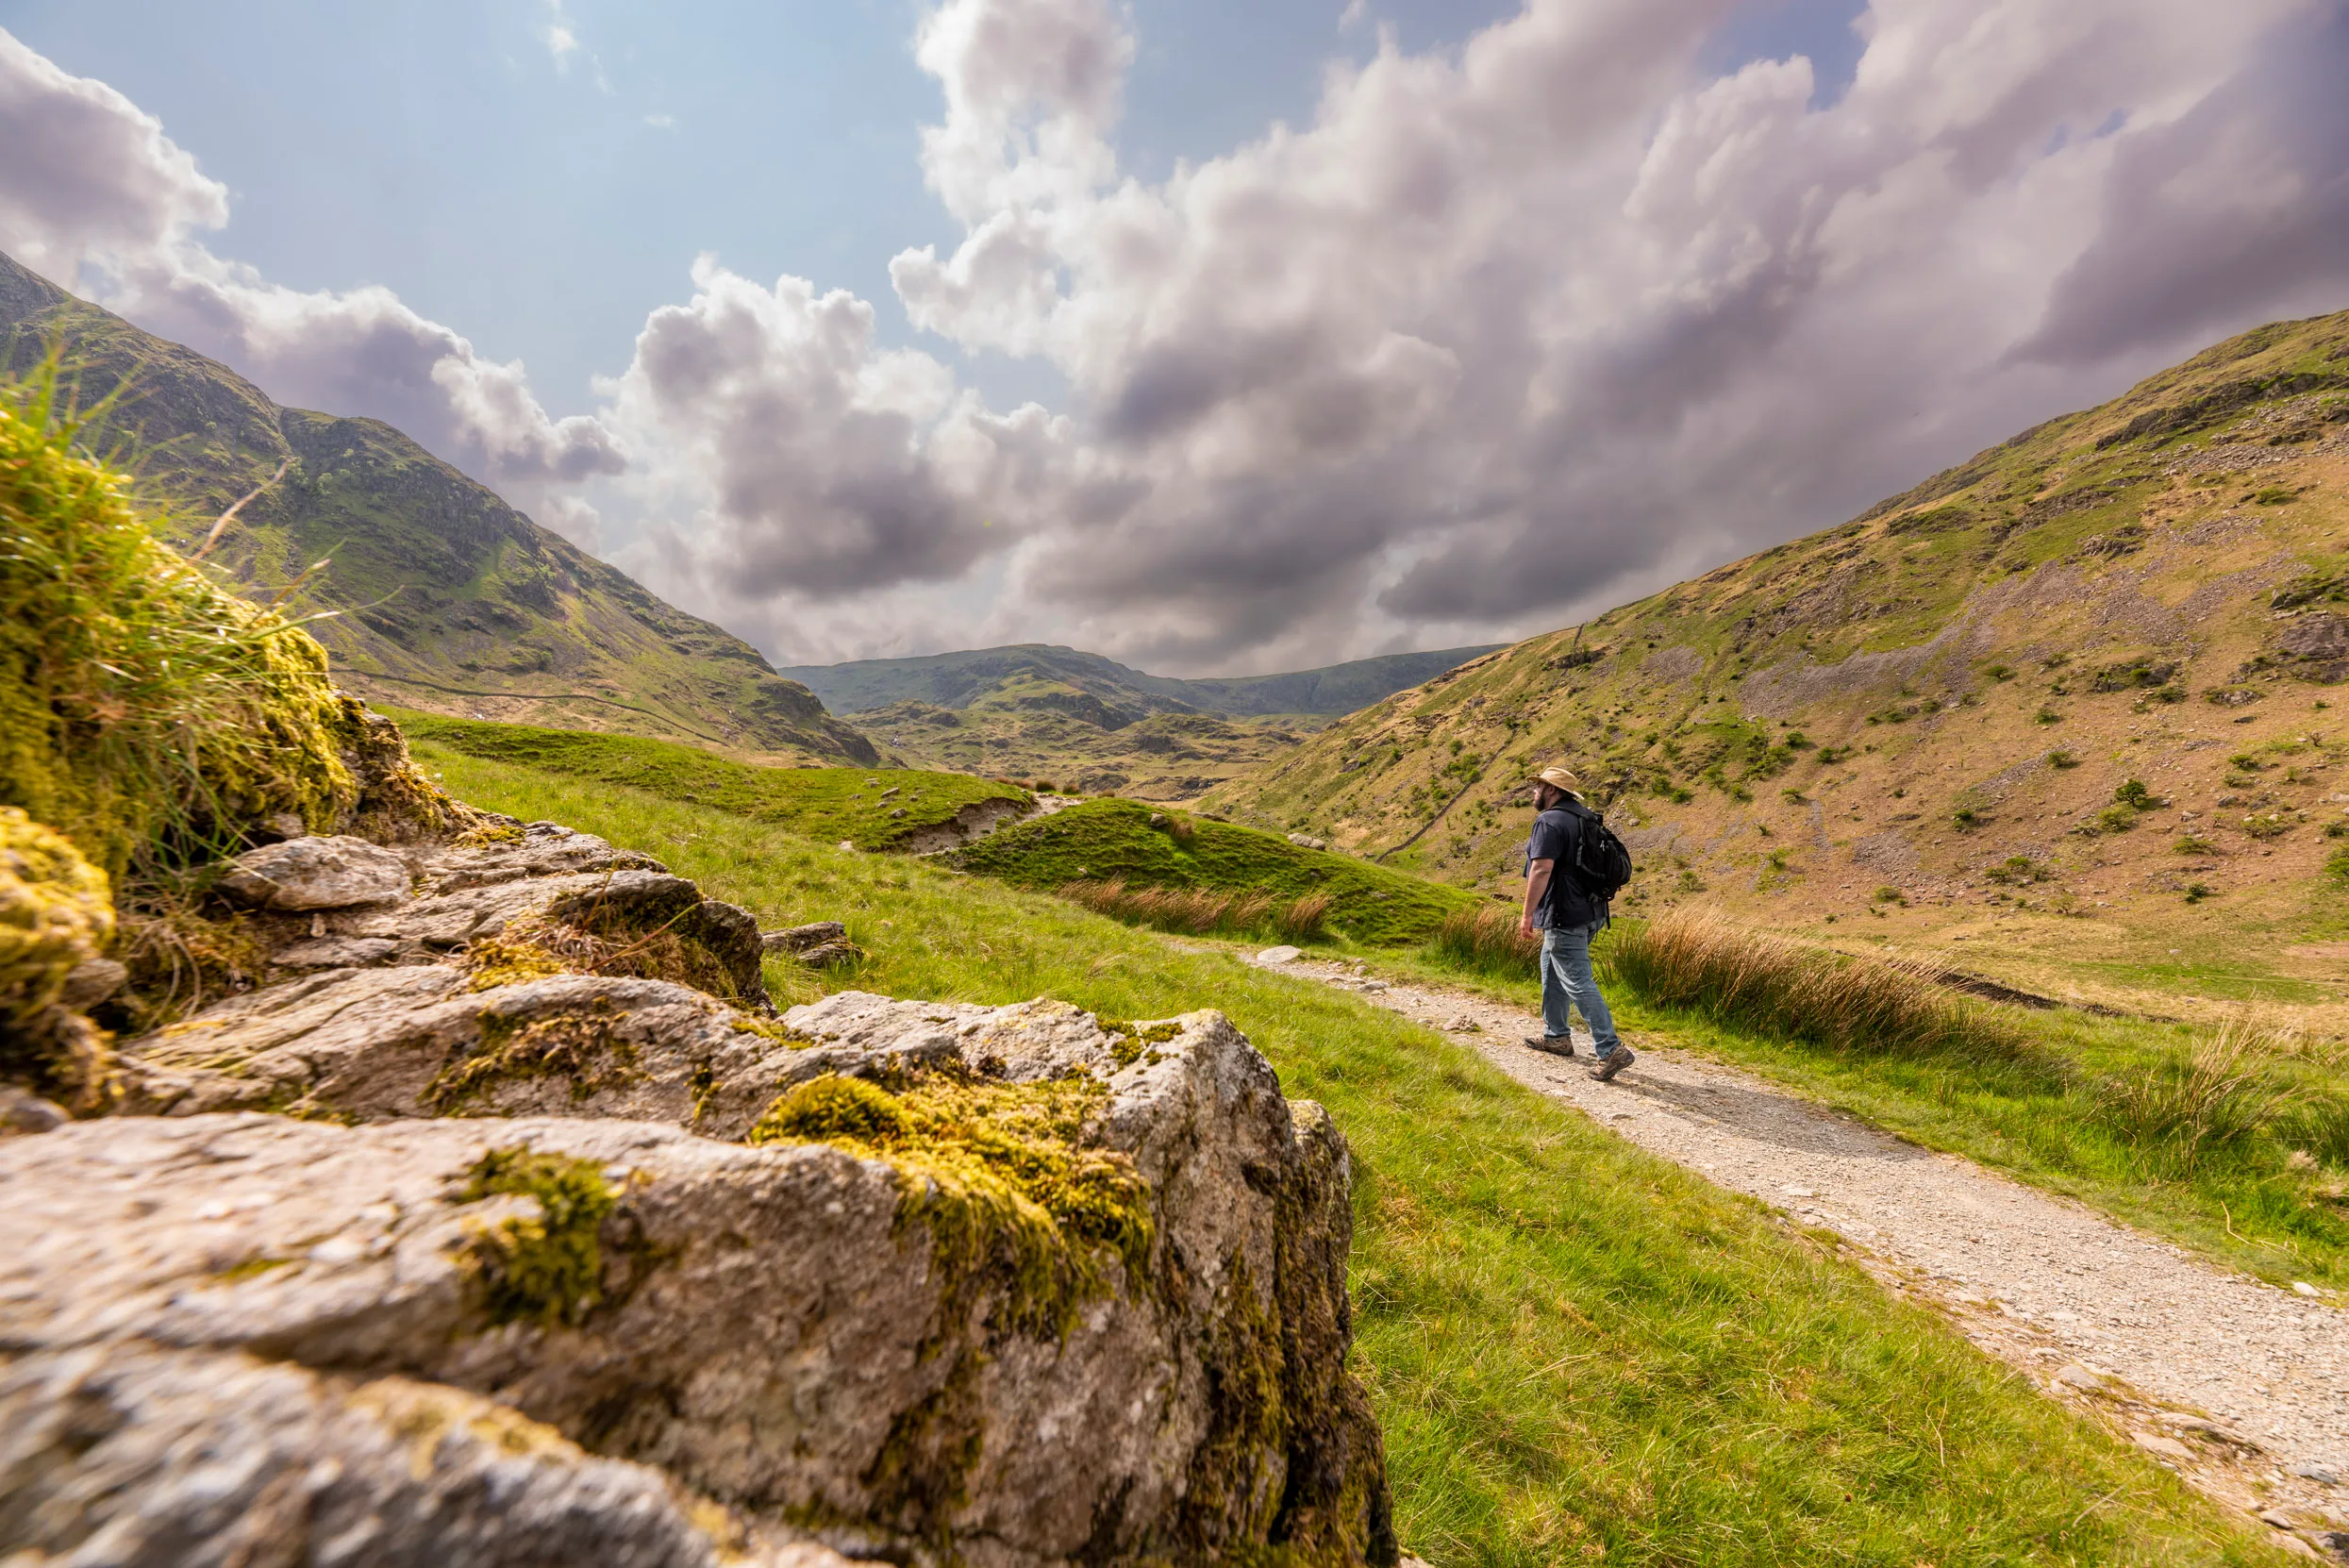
(2243, 1387)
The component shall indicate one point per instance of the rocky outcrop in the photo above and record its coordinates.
(466, 1240)
(1001, 1285)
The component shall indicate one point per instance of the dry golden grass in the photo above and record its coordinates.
(1698, 960)
(1485, 940)
(1205, 911)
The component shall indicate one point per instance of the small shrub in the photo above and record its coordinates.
(2336, 829)
(1966, 818)
(1999, 672)
(2134, 794)
(1889, 894)
(2019, 870)
(2337, 866)
(2046, 716)
(2190, 844)
(2197, 891)
(2271, 824)
(2062, 759)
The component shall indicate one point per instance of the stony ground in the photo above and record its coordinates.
(2240, 1386)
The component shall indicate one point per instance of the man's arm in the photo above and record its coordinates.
(1537, 883)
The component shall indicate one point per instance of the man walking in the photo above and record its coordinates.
(1568, 918)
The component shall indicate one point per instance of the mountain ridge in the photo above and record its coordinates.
(956, 678)
(1056, 713)
(439, 594)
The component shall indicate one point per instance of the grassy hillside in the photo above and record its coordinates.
(2074, 704)
(1578, 1353)
(875, 811)
(448, 599)
(1083, 721)
(1122, 840)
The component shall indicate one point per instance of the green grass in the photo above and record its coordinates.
(829, 804)
(2046, 1115)
(1113, 839)
(1578, 1352)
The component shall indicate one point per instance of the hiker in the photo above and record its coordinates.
(1561, 904)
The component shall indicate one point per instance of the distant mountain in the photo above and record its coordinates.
(448, 598)
(958, 680)
(1085, 721)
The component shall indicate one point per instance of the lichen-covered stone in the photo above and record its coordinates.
(140, 1456)
(796, 1329)
(324, 872)
(379, 1044)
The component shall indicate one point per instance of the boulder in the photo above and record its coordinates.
(116, 1454)
(999, 1284)
(329, 871)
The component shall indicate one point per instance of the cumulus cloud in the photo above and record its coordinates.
(1505, 333)
(107, 204)
(1509, 333)
(810, 461)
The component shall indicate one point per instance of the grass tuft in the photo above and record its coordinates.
(1696, 961)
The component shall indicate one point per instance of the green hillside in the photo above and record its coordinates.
(2076, 702)
(447, 597)
(872, 810)
(1086, 721)
(1123, 841)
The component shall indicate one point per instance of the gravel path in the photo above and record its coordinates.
(2243, 1387)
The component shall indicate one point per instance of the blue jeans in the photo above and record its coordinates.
(1567, 981)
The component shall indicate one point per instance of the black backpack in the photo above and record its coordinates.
(1602, 865)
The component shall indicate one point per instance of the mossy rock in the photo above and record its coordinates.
(56, 914)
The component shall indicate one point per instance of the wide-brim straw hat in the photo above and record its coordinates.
(1557, 778)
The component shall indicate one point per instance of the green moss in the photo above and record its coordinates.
(1017, 1206)
(1129, 1040)
(545, 1269)
(495, 962)
(576, 1046)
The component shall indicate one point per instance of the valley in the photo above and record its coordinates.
(1088, 723)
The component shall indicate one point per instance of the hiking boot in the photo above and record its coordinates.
(1557, 1045)
(1612, 1063)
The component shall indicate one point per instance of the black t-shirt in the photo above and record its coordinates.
(1555, 832)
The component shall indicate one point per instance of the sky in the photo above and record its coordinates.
(1216, 336)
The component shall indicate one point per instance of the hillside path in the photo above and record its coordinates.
(2143, 1335)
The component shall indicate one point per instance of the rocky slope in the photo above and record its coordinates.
(1935, 712)
(1085, 721)
(505, 1222)
(448, 599)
